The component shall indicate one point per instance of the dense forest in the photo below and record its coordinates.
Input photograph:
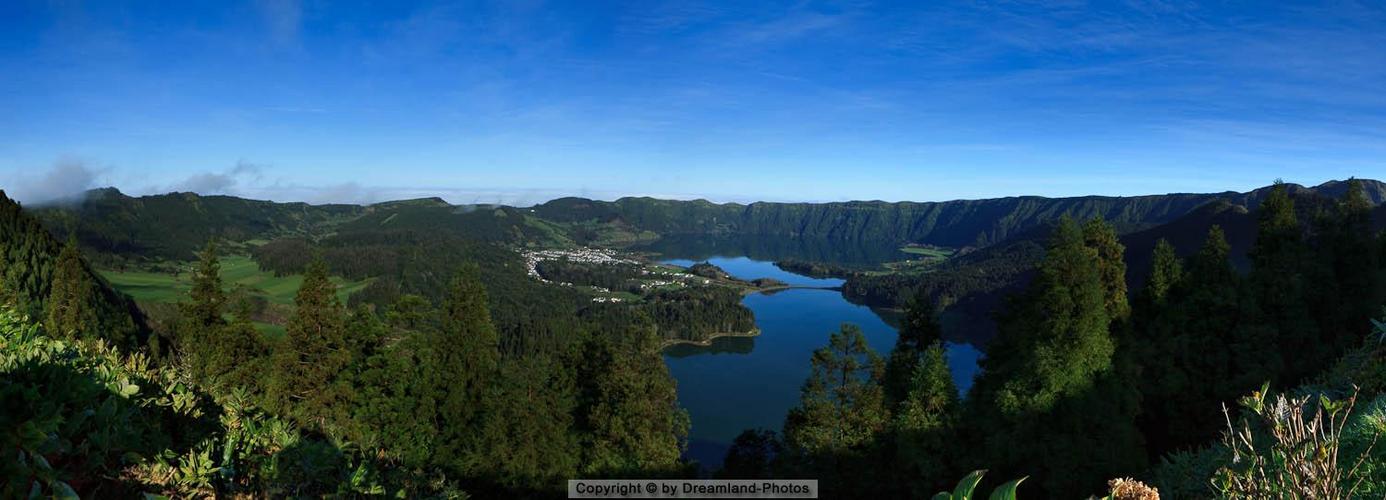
(413, 399)
(1249, 337)
(1087, 381)
(951, 224)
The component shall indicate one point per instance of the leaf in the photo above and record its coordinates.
(943, 495)
(62, 490)
(127, 389)
(1007, 491)
(968, 483)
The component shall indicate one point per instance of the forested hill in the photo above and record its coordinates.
(46, 280)
(975, 284)
(176, 225)
(951, 223)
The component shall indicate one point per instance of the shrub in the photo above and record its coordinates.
(1288, 447)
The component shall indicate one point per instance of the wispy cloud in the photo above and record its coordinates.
(232, 181)
(65, 180)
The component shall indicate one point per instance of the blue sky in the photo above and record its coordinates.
(521, 101)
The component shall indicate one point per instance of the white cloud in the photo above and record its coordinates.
(65, 180)
(232, 181)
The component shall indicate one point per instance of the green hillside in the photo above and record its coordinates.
(29, 268)
(175, 225)
(956, 224)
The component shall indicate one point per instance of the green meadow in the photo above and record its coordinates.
(937, 253)
(235, 270)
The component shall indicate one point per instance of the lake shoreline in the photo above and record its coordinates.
(708, 342)
(778, 288)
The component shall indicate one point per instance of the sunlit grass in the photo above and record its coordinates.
(150, 286)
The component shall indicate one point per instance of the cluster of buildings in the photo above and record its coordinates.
(605, 257)
(581, 255)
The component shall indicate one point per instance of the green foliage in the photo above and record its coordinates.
(1111, 268)
(842, 406)
(1049, 398)
(1187, 473)
(78, 415)
(926, 425)
(950, 224)
(1362, 438)
(696, 313)
(1288, 447)
(69, 307)
(175, 225)
(627, 411)
(968, 485)
(1166, 272)
(919, 329)
(751, 455)
(207, 298)
(466, 367)
(1055, 339)
(306, 364)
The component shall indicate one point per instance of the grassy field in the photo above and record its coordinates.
(937, 253)
(235, 270)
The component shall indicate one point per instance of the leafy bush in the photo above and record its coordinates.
(80, 417)
(969, 483)
(1288, 447)
(1360, 440)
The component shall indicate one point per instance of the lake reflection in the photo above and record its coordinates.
(739, 383)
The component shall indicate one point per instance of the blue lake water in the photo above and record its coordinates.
(742, 383)
(745, 268)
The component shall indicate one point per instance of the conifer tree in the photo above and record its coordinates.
(527, 433)
(235, 356)
(628, 409)
(1278, 311)
(466, 350)
(1111, 266)
(1048, 398)
(313, 353)
(925, 426)
(919, 330)
(751, 455)
(842, 404)
(207, 297)
(836, 432)
(1166, 273)
(1353, 270)
(70, 305)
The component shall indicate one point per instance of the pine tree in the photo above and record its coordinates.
(396, 411)
(1048, 400)
(313, 353)
(1166, 272)
(70, 305)
(751, 455)
(1054, 338)
(235, 356)
(526, 434)
(1278, 309)
(1353, 270)
(842, 404)
(467, 357)
(919, 330)
(1102, 238)
(836, 432)
(925, 426)
(628, 412)
(208, 298)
